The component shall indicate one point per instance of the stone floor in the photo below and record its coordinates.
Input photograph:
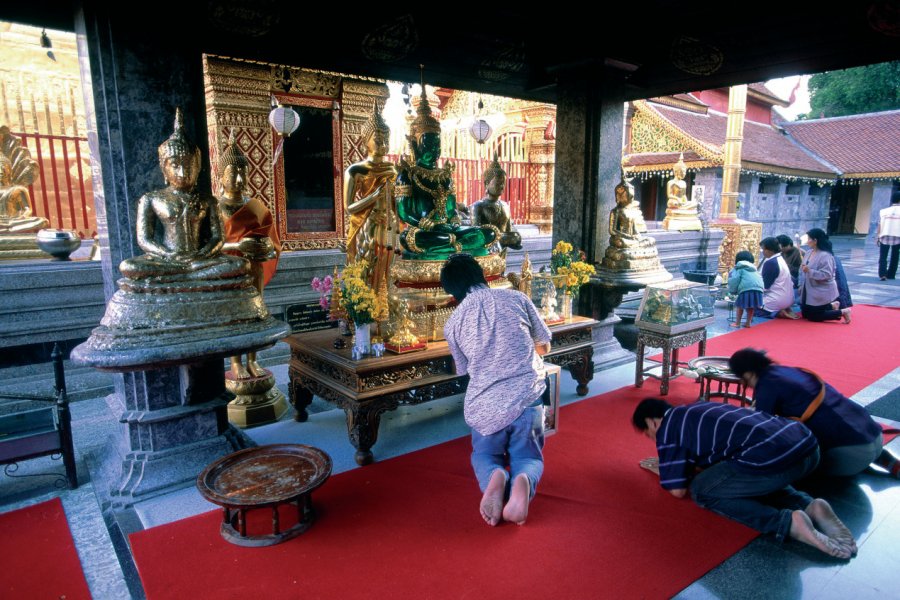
(870, 504)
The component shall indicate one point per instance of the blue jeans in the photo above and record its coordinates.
(518, 446)
(763, 501)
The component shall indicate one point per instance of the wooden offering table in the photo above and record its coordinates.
(367, 388)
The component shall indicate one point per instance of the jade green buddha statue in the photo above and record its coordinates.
(426, 202)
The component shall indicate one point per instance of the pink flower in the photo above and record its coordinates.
(317, 284)
(323, 302)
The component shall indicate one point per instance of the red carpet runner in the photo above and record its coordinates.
(39, 558)
(599, 527)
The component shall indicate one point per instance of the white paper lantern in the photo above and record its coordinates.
(284, 120)
(480, 130)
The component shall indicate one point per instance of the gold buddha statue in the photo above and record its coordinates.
(681, 213)
(491, 210)
(184, 292)
(250, 232)
(180, 229)
(631, 257)
(17, 224)
(369, 198)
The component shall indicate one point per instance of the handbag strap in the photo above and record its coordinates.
(816, 402)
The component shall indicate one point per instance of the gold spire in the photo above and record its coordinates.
(493, 170)
(376, 123)
(178, 143)
(424, 121)
(232, 155)
(680, 167)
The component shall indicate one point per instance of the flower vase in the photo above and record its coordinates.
(363, 338)
(567, 301)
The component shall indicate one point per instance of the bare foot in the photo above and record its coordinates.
(826, 521)
(845, 314)
(735, 325)
(492, 500)
(802, 530)
(835, 305)
(747, 326)
(516, 510)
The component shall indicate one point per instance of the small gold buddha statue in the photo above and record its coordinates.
(18, 226)
(426, 202)
(631, 257)
(491, 210)
(369, 198)
(681, 213)
(403, 327)
(250, 232)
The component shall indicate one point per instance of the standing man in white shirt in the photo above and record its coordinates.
(497, 337)
(887, 236)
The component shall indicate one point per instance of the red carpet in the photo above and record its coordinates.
(599, 527)
(409, 528)
(39, 558)
(849, 357)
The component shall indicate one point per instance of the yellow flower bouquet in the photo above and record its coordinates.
(569, 268)
(358, 299)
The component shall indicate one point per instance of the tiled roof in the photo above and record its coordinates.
(763, 144)
(857, 144)
(761, 88)
(661, 158)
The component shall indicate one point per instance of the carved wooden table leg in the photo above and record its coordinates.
(362, 427)
(582, 370)
(300, 397)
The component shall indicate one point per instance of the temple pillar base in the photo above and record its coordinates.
(739, 235)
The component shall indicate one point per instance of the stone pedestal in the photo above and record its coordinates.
(168, 435)
(20, 247)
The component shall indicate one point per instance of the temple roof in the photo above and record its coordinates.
(857, 145)
(761, 91)
(765, 147)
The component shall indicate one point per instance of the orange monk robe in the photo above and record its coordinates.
(253, 219)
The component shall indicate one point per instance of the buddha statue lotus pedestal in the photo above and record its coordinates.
(180, 309)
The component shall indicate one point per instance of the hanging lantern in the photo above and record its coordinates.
(284, 120)
(480, 130)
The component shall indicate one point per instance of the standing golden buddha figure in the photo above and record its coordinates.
(18, 226)
(426, 204)
(369, 198)
(631, 258)
(250, 232)
(681, 213)
(184, 296)
(492, 211)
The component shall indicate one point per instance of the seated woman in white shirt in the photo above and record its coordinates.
(778, 295)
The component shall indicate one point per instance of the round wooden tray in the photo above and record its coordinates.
(264, 476)
(716, 362)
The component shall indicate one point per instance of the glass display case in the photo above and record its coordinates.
(676, 306)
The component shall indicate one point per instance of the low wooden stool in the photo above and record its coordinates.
(265, 477)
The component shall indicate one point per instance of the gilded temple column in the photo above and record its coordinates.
(541, 143)
(739, 234)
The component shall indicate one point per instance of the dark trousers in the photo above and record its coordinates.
(763, 501)
(883, 269)
(820, 313)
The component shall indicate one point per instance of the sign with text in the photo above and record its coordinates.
(307, 316)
